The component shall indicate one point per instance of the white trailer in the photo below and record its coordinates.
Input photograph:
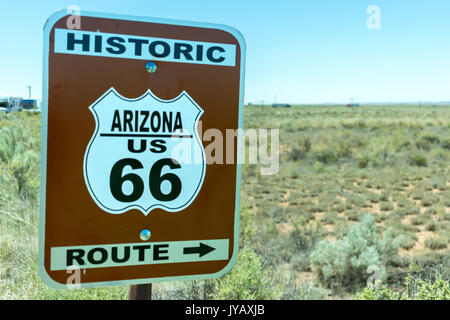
(15, 104)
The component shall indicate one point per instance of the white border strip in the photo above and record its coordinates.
(137, 254)
(141, 48)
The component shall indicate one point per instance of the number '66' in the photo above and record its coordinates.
(116, 180)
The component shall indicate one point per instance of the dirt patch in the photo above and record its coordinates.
(374, 190)
(375, 209)
(285, 199)
(306, 276)
(419, 246)
(284, 228)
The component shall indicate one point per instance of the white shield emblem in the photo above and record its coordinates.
(145, 153)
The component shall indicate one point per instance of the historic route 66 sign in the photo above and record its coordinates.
(155, 158)
(131, 191)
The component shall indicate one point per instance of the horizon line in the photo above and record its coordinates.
(358, 103)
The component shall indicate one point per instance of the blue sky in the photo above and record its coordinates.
(303, 51)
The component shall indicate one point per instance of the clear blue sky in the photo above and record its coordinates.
(298, 51)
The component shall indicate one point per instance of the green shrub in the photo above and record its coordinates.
(300, 151)
(292, 290)
(343, 149)
(431, 226)
(363, 161)
(25, 167)
(436, 243)
(408, 241)
(247, 227)
(418, 221)
(382, 292)
(344, 262)
(183, 290)
(430, 137)
(247, 281)
(7, 143)
(419, 160)
(296, 154)
(426, 140)
(419, 289)
(324, 153)
(446, 143)
(319, 167)
(386, 206)
(306, 234)
(416, 289)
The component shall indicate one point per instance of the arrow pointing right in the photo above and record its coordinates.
(202, 249)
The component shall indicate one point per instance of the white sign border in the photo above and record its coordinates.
(46, 50)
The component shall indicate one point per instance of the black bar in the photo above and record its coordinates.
(191, 250)
(137, 135)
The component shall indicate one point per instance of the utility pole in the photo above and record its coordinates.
(29, 92)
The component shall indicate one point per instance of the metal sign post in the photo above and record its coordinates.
(140, 292)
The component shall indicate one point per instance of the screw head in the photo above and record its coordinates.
(145, 235)
(150, 67)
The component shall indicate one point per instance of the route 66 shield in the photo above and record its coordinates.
(145, 153)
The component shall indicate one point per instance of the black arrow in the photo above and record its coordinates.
(202, 250)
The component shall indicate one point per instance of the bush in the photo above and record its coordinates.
(247, 281)
(436, 243)
(306, 234)
(363, 161)
(300, 150)
(324, 153)
(296, 154)
(416, 289)
(431, 226)
(409, 242)
(319, 167)
(426, 140)
(25, 167)
(419, 160)
(7, 143)
(430, 137)
(293, 290)
(419, 289)
(343, 264)
(446, 143)
(183, 290)
(382, 292)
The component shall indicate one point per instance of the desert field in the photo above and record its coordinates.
(359, 209)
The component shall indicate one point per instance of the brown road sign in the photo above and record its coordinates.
(128, 193)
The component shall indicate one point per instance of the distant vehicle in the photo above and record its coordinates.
(281, 105)
(351, 105)
(4, 105)
(29, 104)
(10, 104)
(15, 104)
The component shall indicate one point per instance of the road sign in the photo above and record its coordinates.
(129, 194)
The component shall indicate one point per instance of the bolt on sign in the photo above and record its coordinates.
(128, 195)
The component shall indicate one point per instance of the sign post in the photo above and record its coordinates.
(130, 192)
(140, 292)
